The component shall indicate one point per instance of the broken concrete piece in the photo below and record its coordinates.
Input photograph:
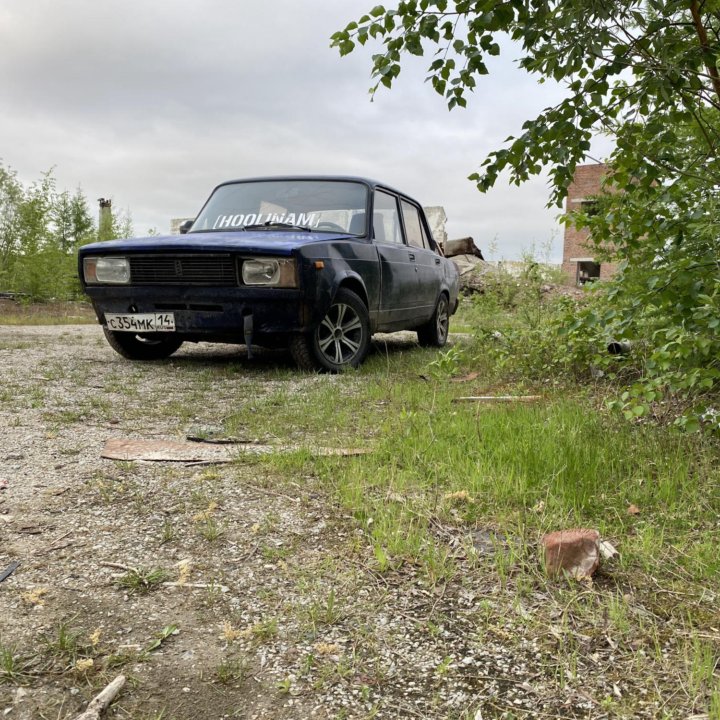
(575, 552)
(607, 550)
(467, 264)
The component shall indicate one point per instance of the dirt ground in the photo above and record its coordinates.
(276, 610)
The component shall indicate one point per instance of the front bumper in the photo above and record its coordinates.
(209, 313)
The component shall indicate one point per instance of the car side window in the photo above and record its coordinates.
(413, 225)
(430, 242)
(386, 219)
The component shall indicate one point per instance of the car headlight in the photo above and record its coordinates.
(109, 270)
(274, 272)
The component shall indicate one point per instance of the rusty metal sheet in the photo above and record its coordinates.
(205, 452)
(163, 451)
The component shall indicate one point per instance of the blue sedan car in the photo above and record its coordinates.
(316, 264)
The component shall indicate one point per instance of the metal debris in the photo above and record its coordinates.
(9, 570)
(201, 453)
(163, 451)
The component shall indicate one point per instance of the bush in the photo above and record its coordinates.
(528, 333)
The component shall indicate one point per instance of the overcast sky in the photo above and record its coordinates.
(153, 103)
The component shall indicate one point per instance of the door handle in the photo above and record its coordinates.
(411, 256)
(437, 261)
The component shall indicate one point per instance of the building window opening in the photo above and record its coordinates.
(587, 271)
(589, 207)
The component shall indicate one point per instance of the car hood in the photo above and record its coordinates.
(252, 241)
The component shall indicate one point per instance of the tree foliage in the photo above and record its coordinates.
(638, 62)
(644, 72)
(40, 232)
(666, 296)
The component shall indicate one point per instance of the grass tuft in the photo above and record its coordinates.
(141, 581)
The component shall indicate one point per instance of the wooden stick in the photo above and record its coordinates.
(499, 398)
(119, 566)
(200, 586)
(102, 700)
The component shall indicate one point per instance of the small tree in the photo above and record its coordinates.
(40, 231)
(11, 193)
(72, 221)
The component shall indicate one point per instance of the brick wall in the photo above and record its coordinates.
(585, 184)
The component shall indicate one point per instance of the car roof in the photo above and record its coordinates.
(372, 184)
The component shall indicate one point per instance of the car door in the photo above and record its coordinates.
(428, 264)
(398, 272)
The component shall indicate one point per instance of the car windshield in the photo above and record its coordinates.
(318, 205)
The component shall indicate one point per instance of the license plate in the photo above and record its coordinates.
(141, 322)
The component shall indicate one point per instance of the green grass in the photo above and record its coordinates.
(232, 670)
(439, 471)
(15, 668)
(534, 468)
(525, 469)
(46, 319)
(141, 581)
(210, 529)
(439, 475)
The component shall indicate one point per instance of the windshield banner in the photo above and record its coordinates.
(235, 221)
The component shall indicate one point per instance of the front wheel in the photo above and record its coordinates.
(435, 332)
(148, 346)
(341, 340)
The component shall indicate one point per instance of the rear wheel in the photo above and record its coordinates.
(435, 332)
(341, 340)
(148, 346)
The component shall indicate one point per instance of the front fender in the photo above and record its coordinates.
(326, 288)
(352, 266)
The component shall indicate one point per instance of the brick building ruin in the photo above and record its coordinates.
(579, 261)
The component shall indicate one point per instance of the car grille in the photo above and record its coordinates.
(214, 270)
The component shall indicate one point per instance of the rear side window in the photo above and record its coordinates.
(413, 226)
(386, 219)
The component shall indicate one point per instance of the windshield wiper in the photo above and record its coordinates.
(270, 224)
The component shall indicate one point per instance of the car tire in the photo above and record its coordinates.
(434, 333)
(340, 341)
(142, 347)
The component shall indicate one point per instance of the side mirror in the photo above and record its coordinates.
(186, 226)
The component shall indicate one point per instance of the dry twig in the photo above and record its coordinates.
(102, 700)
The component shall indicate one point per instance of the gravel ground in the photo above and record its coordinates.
(278, 609)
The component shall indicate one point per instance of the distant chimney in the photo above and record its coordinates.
(105, 219)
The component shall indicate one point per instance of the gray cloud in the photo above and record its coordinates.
(153, 103)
